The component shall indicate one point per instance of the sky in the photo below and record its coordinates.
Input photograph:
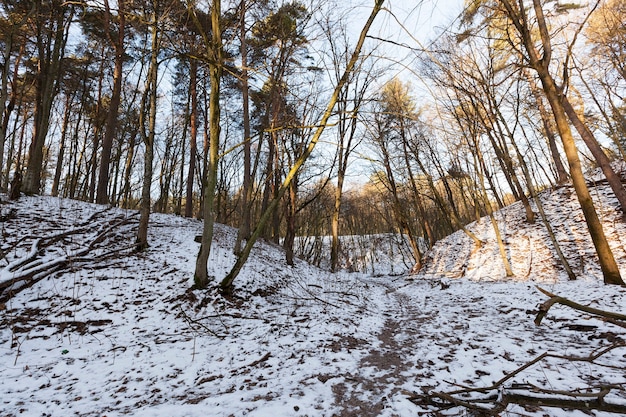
(410, 27)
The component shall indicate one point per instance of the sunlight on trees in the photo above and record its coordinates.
(277, 120)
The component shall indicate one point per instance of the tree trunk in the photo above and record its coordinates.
(246, 199)
(112, 119)
(290, 234)
(417, 197)
(542, 214)
(541, 64)
(193, 144)
(505, 132)
(151, 91)
(5, 111)
(608, 265)
(165, 174)
(128, 170)
(62, 140)
(592, 144)
(398, 209)
(501, 247)
(334, 226)
(49, 59)
(561, 173)
(267, 188)
(201, 277)
(4, 82)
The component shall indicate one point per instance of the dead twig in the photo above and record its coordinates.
(261, 360)
(192, 323)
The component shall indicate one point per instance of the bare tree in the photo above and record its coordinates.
(389, 132)
(215, 55)
(540, 61)
(351, 99)
(227, 282)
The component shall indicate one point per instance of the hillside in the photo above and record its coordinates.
(99, 330)
(529, 249)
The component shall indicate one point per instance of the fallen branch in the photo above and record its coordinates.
(494, 399)
(583, 401)
(35, 265)
(555, 299)
(261, 360)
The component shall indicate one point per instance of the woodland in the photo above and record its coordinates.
(283, 120)
(264, 207)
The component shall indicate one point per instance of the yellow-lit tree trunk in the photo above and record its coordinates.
(541, 63)
(227, 282)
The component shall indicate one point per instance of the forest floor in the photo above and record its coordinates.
(90, 328)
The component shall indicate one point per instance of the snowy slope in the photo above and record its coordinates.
(529, 249)
(117, 333)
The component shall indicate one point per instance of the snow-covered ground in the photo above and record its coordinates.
(110, 333)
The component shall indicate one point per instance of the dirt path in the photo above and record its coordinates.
(386, 367)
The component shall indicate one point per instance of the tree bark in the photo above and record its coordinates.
(561, 173)
(62, 140)
(148, 139)
(553, 94)
(201, 277)
(290, 217)
(193, 138)
(246, 198)
(4, 83)
(50, 50)
(608, 265)
(112, 118)
(603, 161)
(501, 247)
(6, 116)
(533, 193)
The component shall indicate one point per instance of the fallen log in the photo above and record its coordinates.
(495, 403)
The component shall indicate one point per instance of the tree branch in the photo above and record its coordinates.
(555, 299)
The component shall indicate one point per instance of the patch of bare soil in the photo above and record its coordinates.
(383, 369)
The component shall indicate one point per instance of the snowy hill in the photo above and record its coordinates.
(529, 249)
(97, 330)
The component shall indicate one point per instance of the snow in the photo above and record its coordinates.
(125, 335)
